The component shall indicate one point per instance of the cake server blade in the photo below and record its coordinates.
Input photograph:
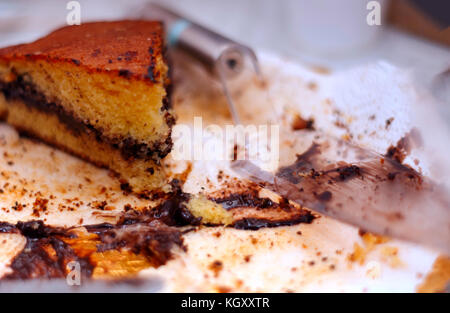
(363, 188)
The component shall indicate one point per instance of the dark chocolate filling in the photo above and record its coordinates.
(129, 147)
(257, 223)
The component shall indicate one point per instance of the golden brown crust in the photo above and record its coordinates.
(127, 48)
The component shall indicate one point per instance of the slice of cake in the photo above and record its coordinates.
(99, 91)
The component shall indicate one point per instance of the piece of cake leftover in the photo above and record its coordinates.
(98, 90)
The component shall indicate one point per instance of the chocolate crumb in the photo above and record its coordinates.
(298, 123)
(216, 267)
(389, 122)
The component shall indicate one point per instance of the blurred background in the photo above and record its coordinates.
(334, 34)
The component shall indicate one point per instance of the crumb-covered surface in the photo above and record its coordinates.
(315, 253)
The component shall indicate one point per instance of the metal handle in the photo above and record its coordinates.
(220, 55)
